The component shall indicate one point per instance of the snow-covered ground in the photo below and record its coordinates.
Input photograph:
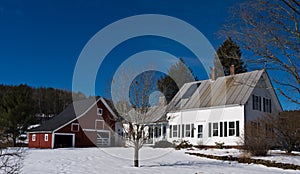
(118, 160)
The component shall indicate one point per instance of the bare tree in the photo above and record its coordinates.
(269, 30)
(287, 130)
(259, 136)
(131, 98)
(11, 159)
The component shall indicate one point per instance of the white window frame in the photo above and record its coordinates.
(72, 127)
(46, 137)
(187, 130)
(231, 128)
(200, 134)
(215, 129)
(175, 131)
(99, 111)
(33, 137)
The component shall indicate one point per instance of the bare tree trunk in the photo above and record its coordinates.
(136, 155)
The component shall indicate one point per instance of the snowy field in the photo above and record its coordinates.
(118, 161)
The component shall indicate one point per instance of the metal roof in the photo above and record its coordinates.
(65, 116)
(227, 90)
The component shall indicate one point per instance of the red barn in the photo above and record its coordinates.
(85, 123)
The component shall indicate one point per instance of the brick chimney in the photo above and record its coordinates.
(213, 74)
(231, 70)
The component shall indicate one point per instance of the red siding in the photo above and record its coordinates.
(82, 139)
(88, 121)
(40, 140)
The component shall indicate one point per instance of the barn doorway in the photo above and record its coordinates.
(103, 138)
(63, 140)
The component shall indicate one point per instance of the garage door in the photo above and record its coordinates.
(63, 141)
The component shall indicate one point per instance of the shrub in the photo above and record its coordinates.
(164, 144)
(184, 144)
(220, 145)
(257, 140)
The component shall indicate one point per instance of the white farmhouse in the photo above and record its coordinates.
(216, 110)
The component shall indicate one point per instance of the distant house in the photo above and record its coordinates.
(91, 123)
(216, 110)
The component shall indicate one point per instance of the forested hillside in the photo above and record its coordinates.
(44, 101)
(21, 106)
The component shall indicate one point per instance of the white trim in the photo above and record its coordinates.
(90, 130)
(52, 143)
(109, 137)
(205, 108)
(77, 124)
(98, 120)
(78, 116)
(33, 137)
(98, 111)
(94, 130)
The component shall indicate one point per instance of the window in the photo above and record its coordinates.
(187, 130)
(99, 111)
(256, 102)
(231, 128)
(99, 124)
(46, 137)
(225, 129)
(215, 129)
(200, 131)
(267, 105)
(170, 131)
(33, 138)
(175, 131)
(164, 130)
(157, 132)
(150, 132)
(75, 127)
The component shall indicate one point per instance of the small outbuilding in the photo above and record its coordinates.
(87, 123)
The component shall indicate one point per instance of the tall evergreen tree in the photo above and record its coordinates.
(182, 73)
(16, 112)
(229, 53)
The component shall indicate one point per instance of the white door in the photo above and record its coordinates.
(103, 138)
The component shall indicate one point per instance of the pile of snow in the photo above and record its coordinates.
(273, 155)
(119, 160)
(281, 157)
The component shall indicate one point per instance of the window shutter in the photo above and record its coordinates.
(225, 129)
(259, 103)
(253, 102)
(192, 131)
(221, 129)
(237, 127)
(209, 129)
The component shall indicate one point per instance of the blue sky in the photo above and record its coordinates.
(40, 41)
